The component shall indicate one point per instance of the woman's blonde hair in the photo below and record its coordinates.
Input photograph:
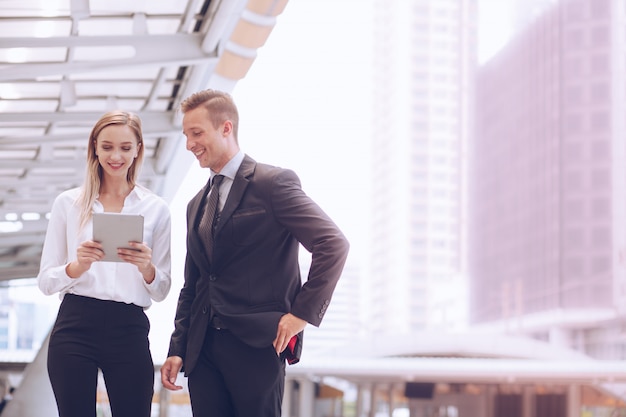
(93, 175)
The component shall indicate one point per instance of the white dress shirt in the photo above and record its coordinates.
(117, 281)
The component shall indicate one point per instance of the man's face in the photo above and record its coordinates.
(206, 142)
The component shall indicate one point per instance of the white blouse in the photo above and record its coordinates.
(117, 281)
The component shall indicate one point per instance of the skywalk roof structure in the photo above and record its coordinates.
(63, 63)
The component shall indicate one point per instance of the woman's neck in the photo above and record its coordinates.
(112, 195)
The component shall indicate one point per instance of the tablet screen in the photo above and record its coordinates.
(115, 230)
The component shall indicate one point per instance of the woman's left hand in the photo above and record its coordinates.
(141, 256)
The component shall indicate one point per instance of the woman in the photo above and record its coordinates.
(101, 322)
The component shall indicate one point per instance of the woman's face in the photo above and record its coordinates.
(116, 149)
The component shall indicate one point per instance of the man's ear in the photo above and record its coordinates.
(227, 127)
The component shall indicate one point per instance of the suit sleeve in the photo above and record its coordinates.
(319, 235)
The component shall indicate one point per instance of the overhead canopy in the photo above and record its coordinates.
(475, 370)
(63, 63)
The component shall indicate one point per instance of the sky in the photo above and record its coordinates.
(495, 26)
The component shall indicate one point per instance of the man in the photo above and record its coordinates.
(243, 307)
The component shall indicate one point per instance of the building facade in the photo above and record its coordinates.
(423, 85)
(547, 193)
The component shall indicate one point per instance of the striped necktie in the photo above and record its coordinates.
(208, 219)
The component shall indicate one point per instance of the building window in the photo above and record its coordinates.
(599, 122)
(600, 208)
(574, 267)
(600, 178)
(599, 93)
(600, 8)
(599, 64)
(572, 151)
(574, 208)
(574, 39)
(600, 265)
(575, 11)
(573, 123)
(600, 150)
(599, 36)
(573, 94)
(573, 68)
(573, 180)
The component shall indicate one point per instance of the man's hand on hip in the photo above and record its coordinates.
(288, 326)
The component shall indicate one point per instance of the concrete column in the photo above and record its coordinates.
(359, 400)
(372, 410)
(413, 411)
(164, 402)
(490, 396)
(307, 398)
(287, 395)
(391, 402)
(528, 402)
(332, 407)
(573, 400)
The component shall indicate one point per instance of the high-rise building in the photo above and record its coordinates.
(547, 214)
(423, 85)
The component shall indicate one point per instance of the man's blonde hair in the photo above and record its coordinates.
(220, 106)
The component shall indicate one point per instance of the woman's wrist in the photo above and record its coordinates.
(149, 274)
(73, 270)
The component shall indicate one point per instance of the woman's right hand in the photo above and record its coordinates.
(87, 253)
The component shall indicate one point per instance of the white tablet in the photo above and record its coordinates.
(115, 230)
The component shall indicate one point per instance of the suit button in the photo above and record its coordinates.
(212, 277)
(204, 310)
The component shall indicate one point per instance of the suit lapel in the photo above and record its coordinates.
(196, 245)
(237, 190)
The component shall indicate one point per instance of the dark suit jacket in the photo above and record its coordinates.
(254, 278)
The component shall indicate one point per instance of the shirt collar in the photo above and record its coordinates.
(137, 193)
(231, 167)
